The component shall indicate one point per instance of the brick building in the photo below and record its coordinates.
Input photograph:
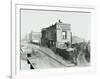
(56, 36)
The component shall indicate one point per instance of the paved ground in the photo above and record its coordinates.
(24, 65)
(43, 57)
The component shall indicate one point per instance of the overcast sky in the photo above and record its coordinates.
(35, 20)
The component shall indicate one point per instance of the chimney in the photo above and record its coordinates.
(59, 21)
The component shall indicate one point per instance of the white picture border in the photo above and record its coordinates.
(45, 73)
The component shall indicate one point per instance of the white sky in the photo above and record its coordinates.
(32, 20)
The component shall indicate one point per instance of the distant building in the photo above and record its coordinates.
(56, 36)
(76, 39)
(35, 37)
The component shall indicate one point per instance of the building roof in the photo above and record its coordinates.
(66, 25)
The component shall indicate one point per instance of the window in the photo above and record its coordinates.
(64, 35)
